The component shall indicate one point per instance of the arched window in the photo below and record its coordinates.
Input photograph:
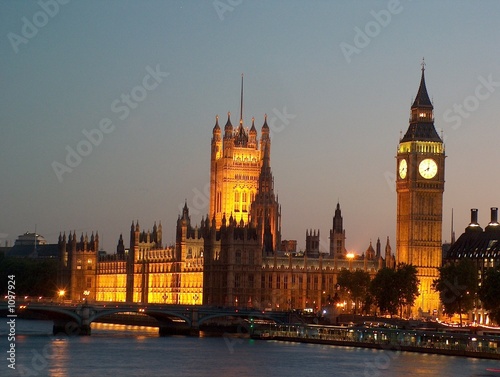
(244, 199)
(236, 201)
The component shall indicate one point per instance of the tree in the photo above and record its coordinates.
(489, 293)
(34, 277)
(356, 283)
(382, 288)
(457, 286)
(407, 283)
(368, 303)
(393, 289)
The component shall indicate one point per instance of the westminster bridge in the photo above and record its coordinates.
(76, 318)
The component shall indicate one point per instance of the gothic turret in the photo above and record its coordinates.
(252, 136)
(216, 147)
(228, 128)
(265, 141)
(312, 243)
(370, 252)
(337, 234)
(389, 258)
(120, 248)
(216, 130)
(159, 235)
(265, 210)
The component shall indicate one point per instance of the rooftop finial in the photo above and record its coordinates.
(422, 99)
(452, 228)
(241, 101)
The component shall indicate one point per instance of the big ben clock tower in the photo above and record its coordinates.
(420, 187)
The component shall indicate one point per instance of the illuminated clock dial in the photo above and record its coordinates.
(428, 168)
(403, 168)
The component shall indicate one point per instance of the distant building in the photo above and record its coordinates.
(32, 245)
(482, 247)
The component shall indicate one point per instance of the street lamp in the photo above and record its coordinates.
(86, 294)
(165, 296)
(195, 298)
(350, 257)
(61, 294)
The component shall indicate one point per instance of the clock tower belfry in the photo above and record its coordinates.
(420, 186)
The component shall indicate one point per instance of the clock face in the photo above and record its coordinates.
(403, 169)
(428, 168)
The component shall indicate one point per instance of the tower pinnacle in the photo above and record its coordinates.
(422, 116)
(241, 101)
(422, 99)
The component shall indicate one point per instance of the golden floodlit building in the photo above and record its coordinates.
(420, 186)
(234, 257)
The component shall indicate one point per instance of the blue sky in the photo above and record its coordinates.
(344, 110)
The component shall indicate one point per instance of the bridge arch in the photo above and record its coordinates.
(255, 315)
(64, 313)
(157, 314)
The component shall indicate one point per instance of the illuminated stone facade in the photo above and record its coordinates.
(78, 266)
(241, 183)
(146, 272)
(420, 186)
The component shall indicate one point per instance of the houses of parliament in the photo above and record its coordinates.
(236, 256)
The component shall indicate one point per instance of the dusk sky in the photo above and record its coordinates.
(336, 79)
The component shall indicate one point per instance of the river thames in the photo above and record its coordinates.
(118, 350)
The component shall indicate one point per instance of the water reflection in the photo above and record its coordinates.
(59, 358)
(107, 329)
(127, 351)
